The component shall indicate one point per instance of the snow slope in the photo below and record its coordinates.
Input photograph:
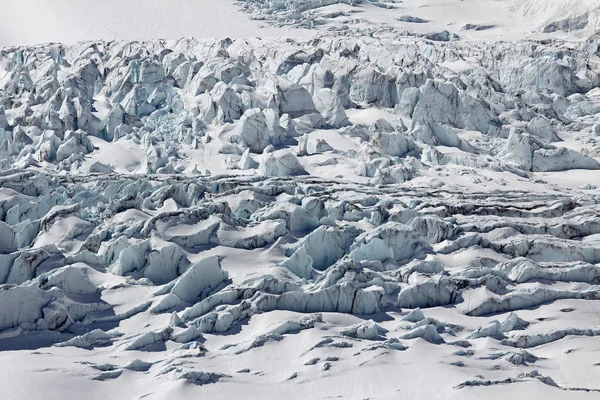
(30, 22)
(566, 15)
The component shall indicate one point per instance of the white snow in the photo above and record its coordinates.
(304, 199)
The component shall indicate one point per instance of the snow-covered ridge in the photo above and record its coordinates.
(565, 15)
(195, 217)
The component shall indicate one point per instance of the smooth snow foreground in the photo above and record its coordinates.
(396, 216)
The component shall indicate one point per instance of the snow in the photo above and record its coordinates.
(566, 15)
(69, 21)
(300, 199)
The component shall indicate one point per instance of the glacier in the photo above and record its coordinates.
(396, 204)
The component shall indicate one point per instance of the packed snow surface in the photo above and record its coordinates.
(401, 202)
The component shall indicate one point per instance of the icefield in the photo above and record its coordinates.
(304, 200)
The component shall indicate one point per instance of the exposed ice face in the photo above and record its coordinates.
(280, 163)
(389, 242)
(533, 154)
(229, 100)
(326, 245)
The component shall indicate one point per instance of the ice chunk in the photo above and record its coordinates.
(280, 163)
(391, 241)
(201, 278)
(492, 329)
(331, 107)
(364, 330)
(437, 291)
(90, 340)
(251, 131)
(426, 332)
(415, 315)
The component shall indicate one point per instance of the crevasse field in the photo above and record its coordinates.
(320, 199)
